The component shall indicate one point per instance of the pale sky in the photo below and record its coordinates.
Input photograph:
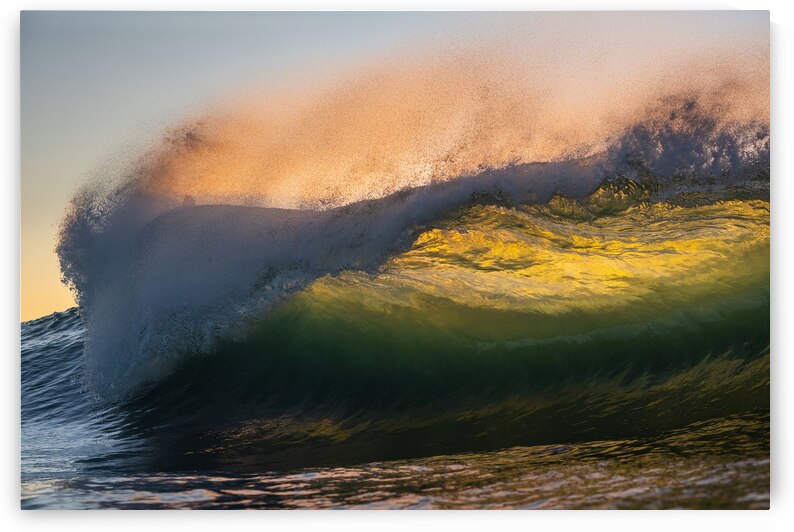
(100, 86)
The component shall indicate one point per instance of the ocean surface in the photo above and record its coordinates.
(606, 350)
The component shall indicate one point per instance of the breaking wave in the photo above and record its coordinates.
(609, 317)
(235, 212)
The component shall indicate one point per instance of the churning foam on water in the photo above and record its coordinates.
(235, 210)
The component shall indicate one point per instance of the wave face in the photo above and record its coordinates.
(617, 316)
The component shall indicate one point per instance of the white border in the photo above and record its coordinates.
(782, 35)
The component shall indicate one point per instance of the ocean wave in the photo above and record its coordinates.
(232, 214)
(494, 323)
